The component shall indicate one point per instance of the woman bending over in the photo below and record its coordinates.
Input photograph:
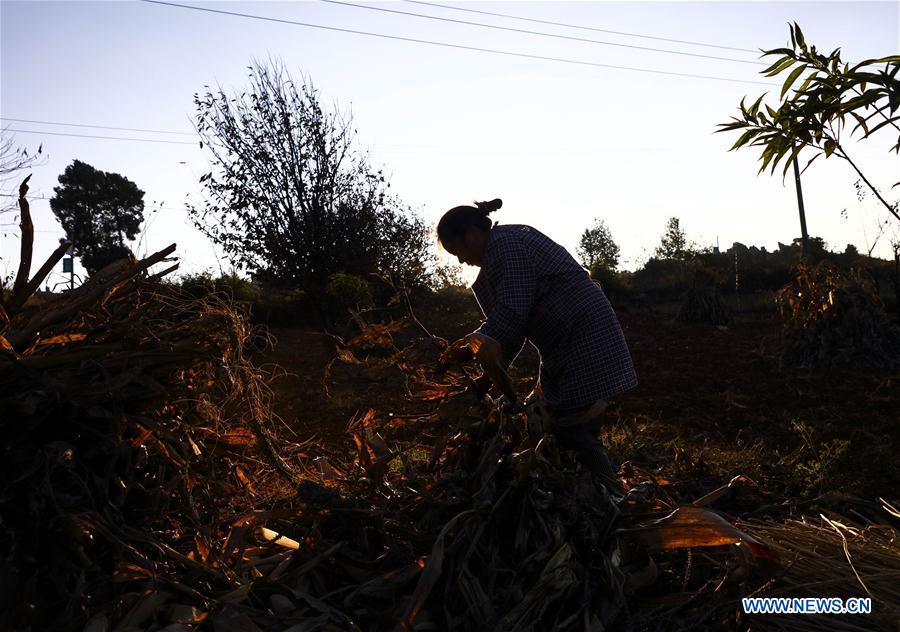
(531, 288)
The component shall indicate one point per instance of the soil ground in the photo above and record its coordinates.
(712, 404)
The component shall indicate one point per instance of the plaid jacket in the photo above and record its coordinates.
(531, 288)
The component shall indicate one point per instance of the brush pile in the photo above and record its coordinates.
(835, 319)
(128, 415)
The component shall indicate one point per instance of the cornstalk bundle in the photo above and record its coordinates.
(704, 305)
(475, 525)
(455, 540)
(835, 319)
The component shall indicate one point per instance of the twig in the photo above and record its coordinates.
(843, 154)
(412, 314)
(847, 553)
(158, 275)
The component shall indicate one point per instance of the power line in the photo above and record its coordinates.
(124, 129)
(140, 140)
(584, 28)
(43, 197)
(381, 147)
(35, 230)
(457, 46)
(384, 148)
(543, 34)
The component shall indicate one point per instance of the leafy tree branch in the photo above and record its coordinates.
(814, 114)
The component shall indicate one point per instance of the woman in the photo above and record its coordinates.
(530, 288)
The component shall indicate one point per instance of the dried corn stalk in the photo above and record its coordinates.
(835, 319)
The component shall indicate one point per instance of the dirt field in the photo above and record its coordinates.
(712, 404)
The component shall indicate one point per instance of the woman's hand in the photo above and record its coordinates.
(459, 351)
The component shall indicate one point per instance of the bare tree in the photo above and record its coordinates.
(289, 198)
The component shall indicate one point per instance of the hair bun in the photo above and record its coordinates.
(489, 207)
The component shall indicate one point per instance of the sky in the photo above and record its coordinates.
(560, 143)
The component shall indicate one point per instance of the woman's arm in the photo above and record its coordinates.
(512, 277)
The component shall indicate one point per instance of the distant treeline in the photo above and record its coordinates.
(739, 271)
(747, 276)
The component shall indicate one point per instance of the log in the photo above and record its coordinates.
(18, 300)
(92, 293)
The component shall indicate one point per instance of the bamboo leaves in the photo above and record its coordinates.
(791, 78)
(811, 115)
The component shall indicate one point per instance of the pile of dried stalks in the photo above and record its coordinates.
(127, 411)
(835, 319)
(703, 303)
(470, 524)
(701, 562)
(833, 557)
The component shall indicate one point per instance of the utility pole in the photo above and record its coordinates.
(803, 234)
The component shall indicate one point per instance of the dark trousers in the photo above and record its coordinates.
(583, 440)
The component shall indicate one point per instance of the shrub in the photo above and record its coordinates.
(449, 311)
(349, 290)
(201, 284)
(198, 284)
(703, 303)
(238, 288)
(285, 307)
(612, 282)
(661, 279)
(271, 306)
